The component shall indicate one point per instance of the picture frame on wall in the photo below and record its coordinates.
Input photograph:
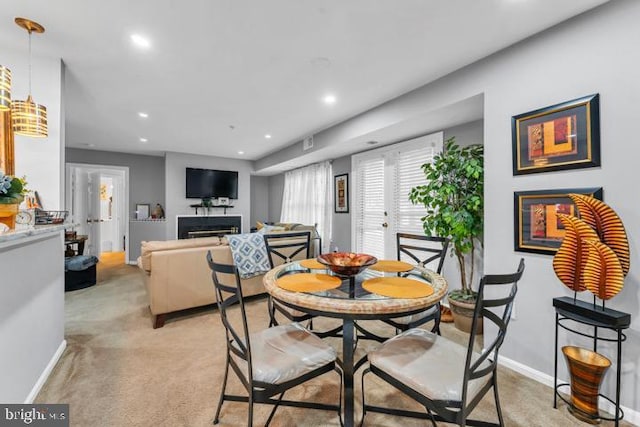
(537, 228)
(143, 211)
(7, 160)
(341, 193)
(559, 137)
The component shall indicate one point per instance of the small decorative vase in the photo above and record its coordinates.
(158, 212)
(8, 214)
(587, 369)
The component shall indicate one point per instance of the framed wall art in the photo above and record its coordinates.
(559, 137)
(537, 228)
(7, 161)
(341, 193)
(143, 211)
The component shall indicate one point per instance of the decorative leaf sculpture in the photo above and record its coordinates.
(602, 274)
(606, 222)
(569, 261)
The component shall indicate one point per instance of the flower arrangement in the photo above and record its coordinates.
(12, 189)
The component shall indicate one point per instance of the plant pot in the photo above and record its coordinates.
(8, 214)
(463, 316)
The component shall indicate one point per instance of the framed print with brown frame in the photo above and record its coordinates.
(341, 193)
(558, 137)
(7, 161)
(537, 228)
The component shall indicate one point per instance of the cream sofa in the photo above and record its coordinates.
(177, 276)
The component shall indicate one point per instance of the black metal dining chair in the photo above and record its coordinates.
(271, 361)
(440, 374)
(424, 251)
(285, 247)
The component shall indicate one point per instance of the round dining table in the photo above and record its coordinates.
(350, 302)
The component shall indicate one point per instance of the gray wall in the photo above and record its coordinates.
(178, 204)
(259, 199)
(146, 173)
(513, 81)
(341, 227)
(144, 230)
(276, 190)
(467, 133)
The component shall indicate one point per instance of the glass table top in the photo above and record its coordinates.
(343, 292)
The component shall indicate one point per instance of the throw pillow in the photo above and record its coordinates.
(249, 254)
(270, 229)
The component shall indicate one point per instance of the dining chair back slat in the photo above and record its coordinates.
(422, 249)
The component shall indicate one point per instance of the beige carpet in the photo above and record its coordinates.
(118, 371)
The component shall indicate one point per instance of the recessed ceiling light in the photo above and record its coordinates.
(140, 41)
(143, 115)
(267, 136)
(240, 152)
(329, 99)
(143, 140)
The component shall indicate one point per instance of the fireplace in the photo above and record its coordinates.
(194, 226)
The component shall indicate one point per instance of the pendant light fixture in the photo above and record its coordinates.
(29, 118)
(5, 89)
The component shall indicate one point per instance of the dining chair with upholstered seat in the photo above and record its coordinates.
(285, 247)
(271, 361)
(426, 251)
(448, 379)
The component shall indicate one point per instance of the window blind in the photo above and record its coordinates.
(409, 174)
(370, 179)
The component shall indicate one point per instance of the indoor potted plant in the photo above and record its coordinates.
(454, 199)
(12, 190)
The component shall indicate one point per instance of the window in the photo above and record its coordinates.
(308, 198)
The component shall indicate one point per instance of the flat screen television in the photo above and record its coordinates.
(208, 183)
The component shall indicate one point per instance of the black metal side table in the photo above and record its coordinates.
(570, 310)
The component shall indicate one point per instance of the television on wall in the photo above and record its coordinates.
(208, 183)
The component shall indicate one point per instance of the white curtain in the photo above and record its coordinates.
(308, 198)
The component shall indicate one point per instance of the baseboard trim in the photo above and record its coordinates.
(45, 374)
(630, 415)
(132, 262)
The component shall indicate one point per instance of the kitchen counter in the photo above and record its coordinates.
(31, 309)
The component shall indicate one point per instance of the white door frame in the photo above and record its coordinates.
(125, 169)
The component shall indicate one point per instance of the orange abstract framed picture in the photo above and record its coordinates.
(558, 137)
(536, 224)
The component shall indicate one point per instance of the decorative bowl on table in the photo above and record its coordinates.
(347, 263)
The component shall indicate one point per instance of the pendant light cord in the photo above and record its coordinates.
(29, 63)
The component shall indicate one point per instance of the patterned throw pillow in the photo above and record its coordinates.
(249, 254)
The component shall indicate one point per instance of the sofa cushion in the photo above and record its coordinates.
(147, 248)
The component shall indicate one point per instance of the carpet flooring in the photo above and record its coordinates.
(118, 371)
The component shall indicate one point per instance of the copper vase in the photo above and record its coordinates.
(587, 369)
(8, 214)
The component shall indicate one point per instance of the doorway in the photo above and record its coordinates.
(97, 198)
(383, 179)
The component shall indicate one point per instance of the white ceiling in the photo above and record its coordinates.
(259, 66)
